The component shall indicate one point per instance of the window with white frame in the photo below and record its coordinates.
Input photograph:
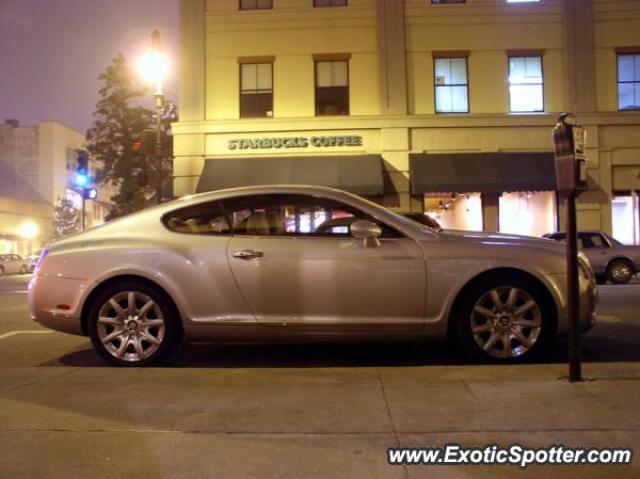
(526, 85)
(451, 85)
(629, 81)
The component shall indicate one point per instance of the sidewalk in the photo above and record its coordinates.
(306, 422)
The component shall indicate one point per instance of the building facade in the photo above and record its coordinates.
(437, 106)
(37, 164)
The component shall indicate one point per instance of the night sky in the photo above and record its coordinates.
(51, 52)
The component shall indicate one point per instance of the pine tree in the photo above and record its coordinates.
(66, 218)
(118, 119)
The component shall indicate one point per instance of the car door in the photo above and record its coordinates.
(12, 264)
(294, 278)
(596, 248)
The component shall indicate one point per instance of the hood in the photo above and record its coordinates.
(502, 239)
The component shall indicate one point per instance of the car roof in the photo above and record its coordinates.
(581, 231)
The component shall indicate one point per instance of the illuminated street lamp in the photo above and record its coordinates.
(28, 230)
(154, 68)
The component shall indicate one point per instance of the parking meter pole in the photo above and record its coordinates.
(570, 140)
(573, 299)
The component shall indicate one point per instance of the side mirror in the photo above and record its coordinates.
(367, 231)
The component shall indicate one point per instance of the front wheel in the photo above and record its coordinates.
(133, 324)
(504, 319)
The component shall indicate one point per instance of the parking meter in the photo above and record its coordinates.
(569, 140)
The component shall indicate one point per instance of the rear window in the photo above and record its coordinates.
(203, 219)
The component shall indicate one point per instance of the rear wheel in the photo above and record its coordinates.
(133, 324)
(504, 319)
(620, 271)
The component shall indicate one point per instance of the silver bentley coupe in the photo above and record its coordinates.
(300, 263)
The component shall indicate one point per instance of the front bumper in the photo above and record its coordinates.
(588, 297)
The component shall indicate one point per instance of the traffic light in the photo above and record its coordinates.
(144, 142)
(81, 178)
(90, 193)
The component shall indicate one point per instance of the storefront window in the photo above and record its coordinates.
(455, 211)
(528, 213)
(625, 218)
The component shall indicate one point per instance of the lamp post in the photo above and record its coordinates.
(154, 67)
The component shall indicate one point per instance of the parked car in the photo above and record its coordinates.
(610, 259)
(12, 263)
(32, 260)
(256, 264)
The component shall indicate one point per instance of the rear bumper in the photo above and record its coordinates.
(57, 322)
(55, 302)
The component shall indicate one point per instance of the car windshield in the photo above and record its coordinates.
(398, 216)
(613, 241)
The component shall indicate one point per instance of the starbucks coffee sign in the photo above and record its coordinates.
(293, 142)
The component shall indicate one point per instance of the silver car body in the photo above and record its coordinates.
(12, 263)
(301, 288)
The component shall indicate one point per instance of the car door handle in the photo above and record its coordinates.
(248, 254)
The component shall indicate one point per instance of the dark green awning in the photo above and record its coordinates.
(360, 174)
(481, 172)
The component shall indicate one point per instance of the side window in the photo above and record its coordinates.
(592, 240)
(203, 218)
(293, 215)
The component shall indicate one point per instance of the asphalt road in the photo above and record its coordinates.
(306, 411)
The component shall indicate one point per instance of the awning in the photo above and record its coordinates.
(360, 174)
(481, 172)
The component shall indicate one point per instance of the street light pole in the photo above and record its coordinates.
(159, 99)
(158, 149)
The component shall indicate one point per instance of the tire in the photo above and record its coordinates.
(23, 269)
(1, 270)
(144, 338)
(620, 271)
(503, 309)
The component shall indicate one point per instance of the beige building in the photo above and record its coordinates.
(423, 105)
(37, 164)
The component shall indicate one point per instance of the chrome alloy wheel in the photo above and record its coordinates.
(506, 322)
(621, 272)
(131, 326)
